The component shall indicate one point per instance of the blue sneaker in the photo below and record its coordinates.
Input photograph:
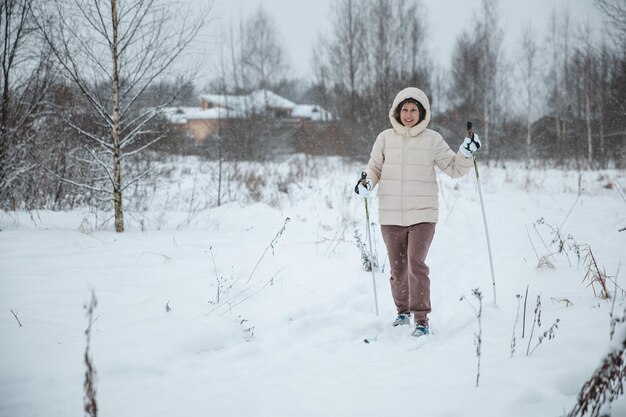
(402, 319)
(420, 330)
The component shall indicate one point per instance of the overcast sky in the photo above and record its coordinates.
(300, 22)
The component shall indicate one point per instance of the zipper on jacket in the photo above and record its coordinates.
(402, 191)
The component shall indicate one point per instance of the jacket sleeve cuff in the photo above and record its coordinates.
(464, 160)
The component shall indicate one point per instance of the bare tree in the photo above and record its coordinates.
(26, 77)
(490, 43)
(396, 51)
(476, 82)
(347, 51)
(321, 75)
(567, 119)
(373, 49)
(411, 56)
(603, 91)
(465, 81)
(264, 57)
(235, 60)
(113, 51)
(555, 77)
(612, 127)
(587, 52)
(560, 81)
(614, 12)
(529, 51)
(383, 48)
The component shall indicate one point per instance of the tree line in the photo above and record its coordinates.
(555, 95)
(84, 84)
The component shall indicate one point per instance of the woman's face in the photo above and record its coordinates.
(409, 114)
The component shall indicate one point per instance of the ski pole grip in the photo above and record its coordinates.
(470, 132)
(362, 181)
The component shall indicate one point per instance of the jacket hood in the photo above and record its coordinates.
(419, 95)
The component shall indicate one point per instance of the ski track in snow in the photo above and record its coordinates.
(289, 340)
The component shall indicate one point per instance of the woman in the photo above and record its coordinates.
(402, 164)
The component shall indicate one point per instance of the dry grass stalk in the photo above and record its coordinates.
(524, 317)
(562, 300)
(368, 260)
(478, 337)
(544, 262)
(605, 385)
(90, 404)
(593, 275)
(550, 334)
(271, 246)
(536, 320)
(222, 287)
(514, 338)
(15, 315)
(563, 244)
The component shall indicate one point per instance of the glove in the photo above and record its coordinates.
(469, 146)
(363, 190)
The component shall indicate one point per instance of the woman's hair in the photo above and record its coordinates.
(420, 108)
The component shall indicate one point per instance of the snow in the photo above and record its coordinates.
(182, 114)
(231, 106)
(256, 101)
(287, 338)
(312, 112)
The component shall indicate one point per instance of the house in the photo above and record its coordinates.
(218, 110)
(311, 112)
(200, 123)
(259, 102)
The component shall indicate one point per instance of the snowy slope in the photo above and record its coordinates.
(286, 337)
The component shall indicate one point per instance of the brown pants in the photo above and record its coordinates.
(410, 286)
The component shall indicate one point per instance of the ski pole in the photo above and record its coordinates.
(369, 238)
(470, 134)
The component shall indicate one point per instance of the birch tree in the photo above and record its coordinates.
(587, 56)
(490, 49)
(567, 119)
(554, 78)
(113, 51)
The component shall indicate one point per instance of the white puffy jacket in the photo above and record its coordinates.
(402, 164)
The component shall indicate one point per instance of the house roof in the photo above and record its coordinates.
(312, 112)
(180, 115)
(239, 107)
(255, 102)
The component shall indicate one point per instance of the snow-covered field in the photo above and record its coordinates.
(237, 311)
